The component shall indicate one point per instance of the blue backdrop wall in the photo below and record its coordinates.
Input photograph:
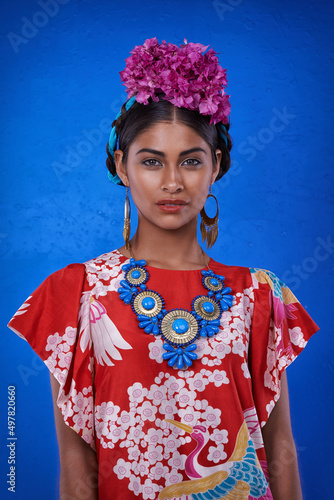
(60, 91)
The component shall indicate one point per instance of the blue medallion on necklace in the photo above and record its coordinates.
(178, 327)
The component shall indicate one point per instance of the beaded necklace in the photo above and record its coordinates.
(178, 327)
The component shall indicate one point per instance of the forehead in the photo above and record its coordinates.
(170, 134)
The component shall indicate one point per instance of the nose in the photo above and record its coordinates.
(172, 180)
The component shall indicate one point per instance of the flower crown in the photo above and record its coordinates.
(188, 77)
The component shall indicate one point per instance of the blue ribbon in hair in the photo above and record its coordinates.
(222, 132)
(114, 141)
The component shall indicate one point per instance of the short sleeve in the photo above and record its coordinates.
(281, 328)
(53, 320)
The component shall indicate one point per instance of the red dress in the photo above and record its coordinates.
(161, 432)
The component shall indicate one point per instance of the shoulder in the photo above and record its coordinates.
(258, 279)
(109, 259)
(262, 278)
(67, 274)
(235, 276)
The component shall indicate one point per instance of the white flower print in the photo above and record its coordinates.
(185, 374)
(53, 341)
(147, 411)
(154, 436)
(177, 461)
(51, 364)
(141, 468)
(60, 375)
(171, 443)
(212, 416)
(283, 362)
(137, 392)
(79, 408)
(153, 454)
(174, 385)
(238, 347)
(126, 419)
(149, 489)
(267, 379)
(79, 402)
(220, 436)
(203, 348)
(297, 338)
(159, 470)
(135, 434)
(173, 477)
(80, 421)
(122, 469)
(220, 349)
(218, 377)
(115, 433)
(156, 350)
(135, 485)
(157, 393)
(198, 382)
(245, 369)
(168, 408)
(201, 404)
(105, 268)
(107, 411)
(189, 415)
(217, 454)
(237, 326)
(270, 407)
(70, 336)
(185, 397)
(133, 453)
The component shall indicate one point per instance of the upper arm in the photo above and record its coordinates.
(280, 449)
(278, 425)
(79, 469)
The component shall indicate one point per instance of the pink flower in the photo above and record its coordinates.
(186, 76)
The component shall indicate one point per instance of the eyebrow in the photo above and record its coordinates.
(160, 153)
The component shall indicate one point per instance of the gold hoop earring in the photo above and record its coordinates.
(127, 215)
(209, 225)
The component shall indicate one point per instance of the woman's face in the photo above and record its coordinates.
(169, 171)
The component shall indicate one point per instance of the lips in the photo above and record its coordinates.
(172, 201)
(171, 205)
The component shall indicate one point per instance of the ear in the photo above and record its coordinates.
(120, 167)
(216, 165)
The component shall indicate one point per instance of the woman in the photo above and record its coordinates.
(169, 366)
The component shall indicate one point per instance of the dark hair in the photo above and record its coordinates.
(140, 117)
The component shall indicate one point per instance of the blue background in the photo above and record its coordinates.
(61, 91)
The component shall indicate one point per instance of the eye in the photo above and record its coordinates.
(151, 162)
(192, 162)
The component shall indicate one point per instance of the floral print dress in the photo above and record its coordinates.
(160, 432)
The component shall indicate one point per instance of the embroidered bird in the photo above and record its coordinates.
(239, 478)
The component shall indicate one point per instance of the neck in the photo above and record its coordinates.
(176, 249)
